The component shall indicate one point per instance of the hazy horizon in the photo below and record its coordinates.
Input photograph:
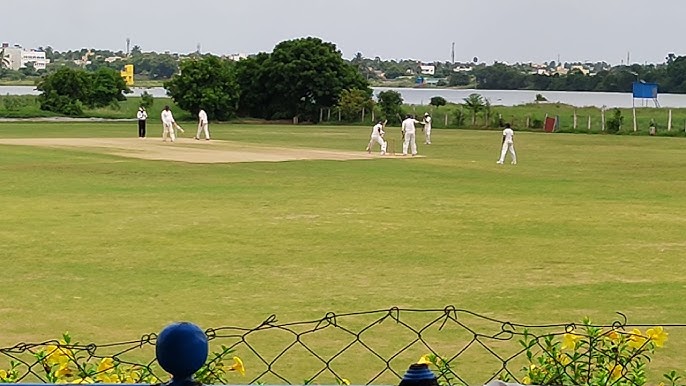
(491, 30)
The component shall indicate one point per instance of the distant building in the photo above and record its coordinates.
(16, 57)
(237, 57)
(427, 69)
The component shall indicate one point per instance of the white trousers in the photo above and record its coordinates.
(411, 143)
(427, 136)
(205, 128)
(503, 152)
(378, 140)
(168, 130)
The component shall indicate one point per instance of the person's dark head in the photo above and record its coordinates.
(408, 116)
(507, 126)
(166, 108)
(380, 122)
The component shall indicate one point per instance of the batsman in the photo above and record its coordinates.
(377, 136)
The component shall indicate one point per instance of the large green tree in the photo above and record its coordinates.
(67, 90)
(391, 103)
(297, 79)
(207, 83)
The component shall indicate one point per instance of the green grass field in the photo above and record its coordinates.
(109, 248)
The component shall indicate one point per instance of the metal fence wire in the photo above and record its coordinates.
(376, 347)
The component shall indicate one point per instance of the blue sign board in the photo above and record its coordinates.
(645, 90)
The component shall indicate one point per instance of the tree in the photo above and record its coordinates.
(64, 91)
(351, 103)
(391, 102)
(438, 101)
(458, 79)
(297, 79)
(106, 87)
(474, 103)
(208, 83)
(253, 82)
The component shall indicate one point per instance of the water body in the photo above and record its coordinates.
(422, 96)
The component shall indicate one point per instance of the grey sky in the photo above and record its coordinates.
(504, 30)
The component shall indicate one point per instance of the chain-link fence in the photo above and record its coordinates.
(376, 347)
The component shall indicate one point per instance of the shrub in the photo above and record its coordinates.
(147, 100)
(66, 362)
(614, 123)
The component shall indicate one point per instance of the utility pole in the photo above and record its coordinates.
(452, 55)
(128, 46)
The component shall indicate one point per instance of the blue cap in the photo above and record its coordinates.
(419, 372)
(181, 349)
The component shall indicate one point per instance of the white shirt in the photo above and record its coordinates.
(427, 123)
(408, 125)
(509, 135)
(167, 117)
(142, 115)
(377, 131)
(202, 116)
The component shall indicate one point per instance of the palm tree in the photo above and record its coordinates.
(474, 103)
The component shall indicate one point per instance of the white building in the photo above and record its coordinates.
(17, 57)
(427, 69)
(237, 57)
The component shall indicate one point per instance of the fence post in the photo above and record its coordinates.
(446, 119)
(321, 115)
(373, 115)
(328, 114)
(363, 114)
(181, 350)
(574, 119)
(602, 119)
(528, 121)
(339, 114)
(589, 123)
(669, 122)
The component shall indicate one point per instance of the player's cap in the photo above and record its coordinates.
(426, 114)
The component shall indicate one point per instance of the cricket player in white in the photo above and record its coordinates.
(168, 125)
(203, 125)
(377, 136)
(409, 132)
(427, 128)
(508, 143)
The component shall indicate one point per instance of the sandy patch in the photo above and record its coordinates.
(192, 151)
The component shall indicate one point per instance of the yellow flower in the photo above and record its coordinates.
(64, 371)
(636, 338)
(569, 341)
(3, 375)
(526, 381)
(345, 382)
(237, 366)
(614, 336)
(657, 335)
(106, 365)
(82, 381)
(615, 371)
(425, 360)
(564, 359)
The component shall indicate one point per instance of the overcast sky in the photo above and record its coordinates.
(503, 30)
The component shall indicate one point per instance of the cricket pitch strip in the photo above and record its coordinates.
(193, 151)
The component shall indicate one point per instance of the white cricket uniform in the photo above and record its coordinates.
(168, 125)
(427, 130)
(203, 125)
(508, 144)
(377, 136)
(410, 133)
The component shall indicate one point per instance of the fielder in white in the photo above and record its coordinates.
(427, 128)
(377, 136)
(168, 125)
(409, 133)
(203, 125)
(508, 143)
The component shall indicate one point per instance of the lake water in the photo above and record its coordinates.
(422, 96)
